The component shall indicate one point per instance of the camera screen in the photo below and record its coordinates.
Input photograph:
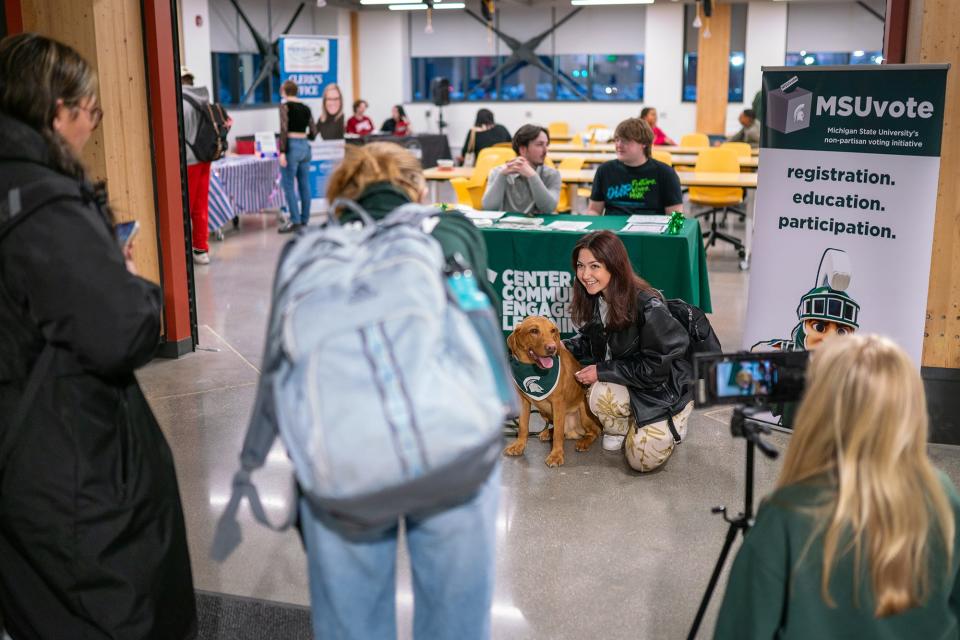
(752, 378)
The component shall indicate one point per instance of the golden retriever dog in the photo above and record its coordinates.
(536, 341)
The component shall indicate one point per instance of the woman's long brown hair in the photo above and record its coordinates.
(620, 294)
(36, 72)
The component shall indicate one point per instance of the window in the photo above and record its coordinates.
(234, 73)
(738, 46)
(596, 77)
(821, 58)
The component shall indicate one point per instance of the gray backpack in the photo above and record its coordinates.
(387, 387)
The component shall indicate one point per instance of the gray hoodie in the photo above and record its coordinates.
(536, 195)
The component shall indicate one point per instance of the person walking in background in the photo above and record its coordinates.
(398, 124)
(296, 126)
(484, 133)
(649, 115)
(92, 537)
(525, 184)
(198, 172)
(859, 539)
(359, 123)
(330, 125)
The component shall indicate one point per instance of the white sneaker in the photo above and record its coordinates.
(612, 443)
(201, 257)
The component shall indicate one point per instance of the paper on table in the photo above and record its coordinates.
(568, 225)
(643, 218)
(643, 228)
(527, 222)
(475, 214)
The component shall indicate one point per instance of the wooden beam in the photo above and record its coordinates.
(933, 39)
(895, 32)
(713, 71)
(354, 55)
(162, 75)
(14, 16)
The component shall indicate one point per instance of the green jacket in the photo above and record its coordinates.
(774, 590)
(455, 233)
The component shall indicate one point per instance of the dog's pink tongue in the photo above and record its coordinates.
(545, 362)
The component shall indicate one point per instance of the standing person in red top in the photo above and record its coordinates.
(659, 137)
(359, 123)
(397, 124)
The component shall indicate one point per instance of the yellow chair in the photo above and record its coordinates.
(593, 127)
(740, 149)
(719, 199)
(503, 145)
(470, 190)
(663, 156)
(567, 192)
(558, 130)
(695, 140)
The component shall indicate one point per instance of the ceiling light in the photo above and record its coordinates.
(408, 7)
(450, 5)
(389, 1)
(582, 3)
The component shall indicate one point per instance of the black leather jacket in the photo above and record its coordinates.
(647, 357)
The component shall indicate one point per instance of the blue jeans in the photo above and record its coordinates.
(452, 559)
(298, 166)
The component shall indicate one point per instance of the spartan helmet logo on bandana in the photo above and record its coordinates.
(825, 310)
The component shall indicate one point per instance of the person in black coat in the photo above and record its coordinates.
(628, 337)
(92, 537)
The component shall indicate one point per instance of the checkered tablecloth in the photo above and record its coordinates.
(246, 184)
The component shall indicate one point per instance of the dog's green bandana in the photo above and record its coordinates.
(536, 382)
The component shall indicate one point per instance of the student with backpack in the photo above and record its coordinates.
(635, 352)
(205, 127)
(385, 375)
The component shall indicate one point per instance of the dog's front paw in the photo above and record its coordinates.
(583, 443)
(516, 449)
(546, 435)
(555, 459)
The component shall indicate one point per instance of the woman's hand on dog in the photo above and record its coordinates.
(587, 375)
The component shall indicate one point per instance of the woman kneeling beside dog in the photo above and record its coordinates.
(635, 351)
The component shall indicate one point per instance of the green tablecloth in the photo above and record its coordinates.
(534, 272)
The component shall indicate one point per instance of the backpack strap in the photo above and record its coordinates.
(673, 428)
(10, 436)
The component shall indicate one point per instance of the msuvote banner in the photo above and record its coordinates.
(310, 61)
(847, 192)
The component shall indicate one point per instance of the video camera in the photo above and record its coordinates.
(750, 378)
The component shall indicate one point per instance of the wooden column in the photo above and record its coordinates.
(109, 34)
(713, 71)
(933, 37)
(13, 15)
(354, 55)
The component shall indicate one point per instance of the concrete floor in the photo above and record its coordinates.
(589, 550)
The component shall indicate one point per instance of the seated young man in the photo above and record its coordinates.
(634, 182)
(524, 184)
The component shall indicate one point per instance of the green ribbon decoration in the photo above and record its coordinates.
(675, 225)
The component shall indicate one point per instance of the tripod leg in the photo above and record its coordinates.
(727, 545)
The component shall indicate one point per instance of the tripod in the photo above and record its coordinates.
(441, 124)
(741, 425)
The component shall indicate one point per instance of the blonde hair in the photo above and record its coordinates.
(863, 424)
(324, 114)
(369, 164)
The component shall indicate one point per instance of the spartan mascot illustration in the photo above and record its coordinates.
(826, 310)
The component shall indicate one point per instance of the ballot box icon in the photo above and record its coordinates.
(788, 108)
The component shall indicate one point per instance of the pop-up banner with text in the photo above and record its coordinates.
(847, 192)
